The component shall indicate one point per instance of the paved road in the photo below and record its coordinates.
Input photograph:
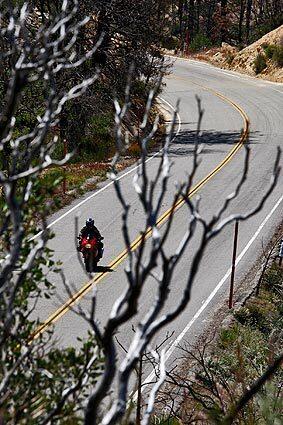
(221, 126)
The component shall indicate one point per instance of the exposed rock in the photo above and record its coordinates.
(218, 57)
(243, 61)
(228, 46)
(229, 57)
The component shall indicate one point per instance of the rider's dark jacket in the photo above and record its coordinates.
(90, 231)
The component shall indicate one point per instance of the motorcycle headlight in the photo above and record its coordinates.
(88, 245)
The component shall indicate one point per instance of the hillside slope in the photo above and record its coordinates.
(243, 61)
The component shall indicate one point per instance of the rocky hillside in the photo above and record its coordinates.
(263, 58)
(256, 59)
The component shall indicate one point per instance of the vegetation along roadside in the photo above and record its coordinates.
(231, 358)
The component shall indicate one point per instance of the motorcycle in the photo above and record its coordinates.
(90, 251)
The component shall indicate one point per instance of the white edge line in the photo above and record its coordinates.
(110, 183)
(214, 292)
(246, 77)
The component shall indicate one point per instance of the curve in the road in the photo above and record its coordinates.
(165, 216)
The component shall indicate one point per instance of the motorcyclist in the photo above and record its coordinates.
(92, 231)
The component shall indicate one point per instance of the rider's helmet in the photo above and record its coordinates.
(89, 223)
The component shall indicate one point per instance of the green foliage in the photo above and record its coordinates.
(76, 123)
(275, 53)
(228, 336)
(45, 187)
(277, 56)
(236, 361)
(269, 50)
(51, 178)
(273, 279)
(170, 43)
(140, 91)
(98, 143)
(42, 378)
(257, 313)
(270, 405)
(42, 374)
(200, 42)
(218, 377)
(260, 63)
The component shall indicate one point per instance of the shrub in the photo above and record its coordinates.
(270, 404)
(170, 43)
(230, 57)
(229, 336)
(257, 313)
(273, 279)
(99, 142)
(274, 52)
(260, 63)
(200, 42)
(269, 50)
(250, 345)
(278, 56)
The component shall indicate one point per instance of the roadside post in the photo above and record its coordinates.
(139, 391)
(64, 174)
(281, 253)
(232, 280)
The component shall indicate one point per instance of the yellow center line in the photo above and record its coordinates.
(136, 243)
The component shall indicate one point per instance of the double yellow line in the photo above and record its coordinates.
(136, 243)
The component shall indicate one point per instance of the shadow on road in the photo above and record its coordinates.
(213, 141)
(103, 269)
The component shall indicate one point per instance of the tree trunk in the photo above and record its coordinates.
(241, 21)
(191, 19)
(248, 20)
(181, 19)
(197, 24)
(103, 30)
(209, 22)
(223, 20)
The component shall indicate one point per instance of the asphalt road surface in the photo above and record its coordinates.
(222, 125)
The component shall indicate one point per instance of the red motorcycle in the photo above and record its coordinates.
(90, 250)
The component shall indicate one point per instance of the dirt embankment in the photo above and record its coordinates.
(229, 57)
